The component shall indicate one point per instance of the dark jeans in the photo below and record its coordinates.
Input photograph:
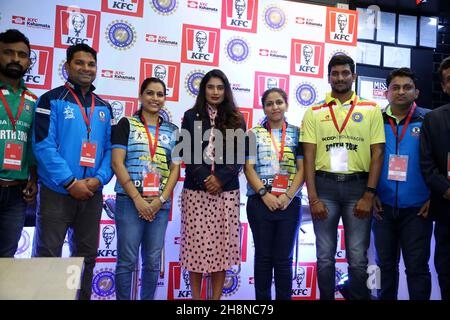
(402, 230)
(274, 235)
(12, 219)
(340, 199)
(60, 213)
(442, 257)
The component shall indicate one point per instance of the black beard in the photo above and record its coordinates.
(12, 73)
(344, 90)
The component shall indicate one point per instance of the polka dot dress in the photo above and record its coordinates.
(209, 231)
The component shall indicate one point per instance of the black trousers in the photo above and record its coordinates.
(60, 213)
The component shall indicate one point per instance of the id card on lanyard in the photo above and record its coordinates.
(339, 155)
(151, 177)
(13, 152)
(398, 164)
(280, 180)
(88, 152)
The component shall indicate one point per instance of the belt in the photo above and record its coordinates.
(342, 177)
(12, 183)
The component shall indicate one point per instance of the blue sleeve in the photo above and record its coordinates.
(45, 126)
(105, 172)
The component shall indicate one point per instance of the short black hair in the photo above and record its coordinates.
(339, 60)
(13, 36)
(79, 47)
(445, 64)
(401, 72)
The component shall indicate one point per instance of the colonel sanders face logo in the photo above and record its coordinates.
(342, 21)
(201, 38)
(160, 72)
(240, 6)
(272, 83)
(78, 22)
(307, 53)
(108, 234)
(33, 58)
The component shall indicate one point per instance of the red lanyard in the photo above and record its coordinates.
(86, 119)
(283, 138)
(8, 109)
(346, 118)
(405, 126)
(154, 145)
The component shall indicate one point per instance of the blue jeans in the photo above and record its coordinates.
(402, 229)
(442, 257)
(12, 219)
(340, 199)
(133, 232)
(274, 235)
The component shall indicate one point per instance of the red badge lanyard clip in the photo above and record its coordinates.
(152, 145)
(8, 109)
(86, 119)
(283, 138)
(405, 126)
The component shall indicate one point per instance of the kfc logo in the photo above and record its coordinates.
(121, 106)
(18, 20)
(39, 75)
(107, 248)
(128, 7)
(240, 15)
(340, 249)
(76, 26)
(166, 71)
(179, 287)
(264, 81)
(307, 58)
(200, 45)
(341, 26)
(304, 281)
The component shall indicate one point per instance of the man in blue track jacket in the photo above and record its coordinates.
(71, 141)
(401, 223)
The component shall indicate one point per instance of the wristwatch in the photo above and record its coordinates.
(262, 191)
(371, 190)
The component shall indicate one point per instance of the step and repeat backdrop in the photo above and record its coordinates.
(259, 44)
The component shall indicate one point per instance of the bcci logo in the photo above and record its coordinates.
(237, 50)
(357, 117)
(200, 45)
(341, 26)
(338, 53)
(164, 7)
(274, 18)
(24, 243)
(165, 114)
(166, 71)
(306, 94)
(39, 74)
(103, 284)
(239, 15)
(74, 26)
(307, 58)
(120, 35)
(232, 283)
(63, 75)
(192, 82)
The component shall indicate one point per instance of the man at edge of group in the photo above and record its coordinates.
(17, 167)
(435, 164)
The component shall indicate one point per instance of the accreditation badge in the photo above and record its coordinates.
(280, 184)
(88, 154)
(398, 167)
(13, 155)
(150, 183)
(339, 159)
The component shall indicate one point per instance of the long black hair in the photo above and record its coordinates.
(228, 115)
(144, 86)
